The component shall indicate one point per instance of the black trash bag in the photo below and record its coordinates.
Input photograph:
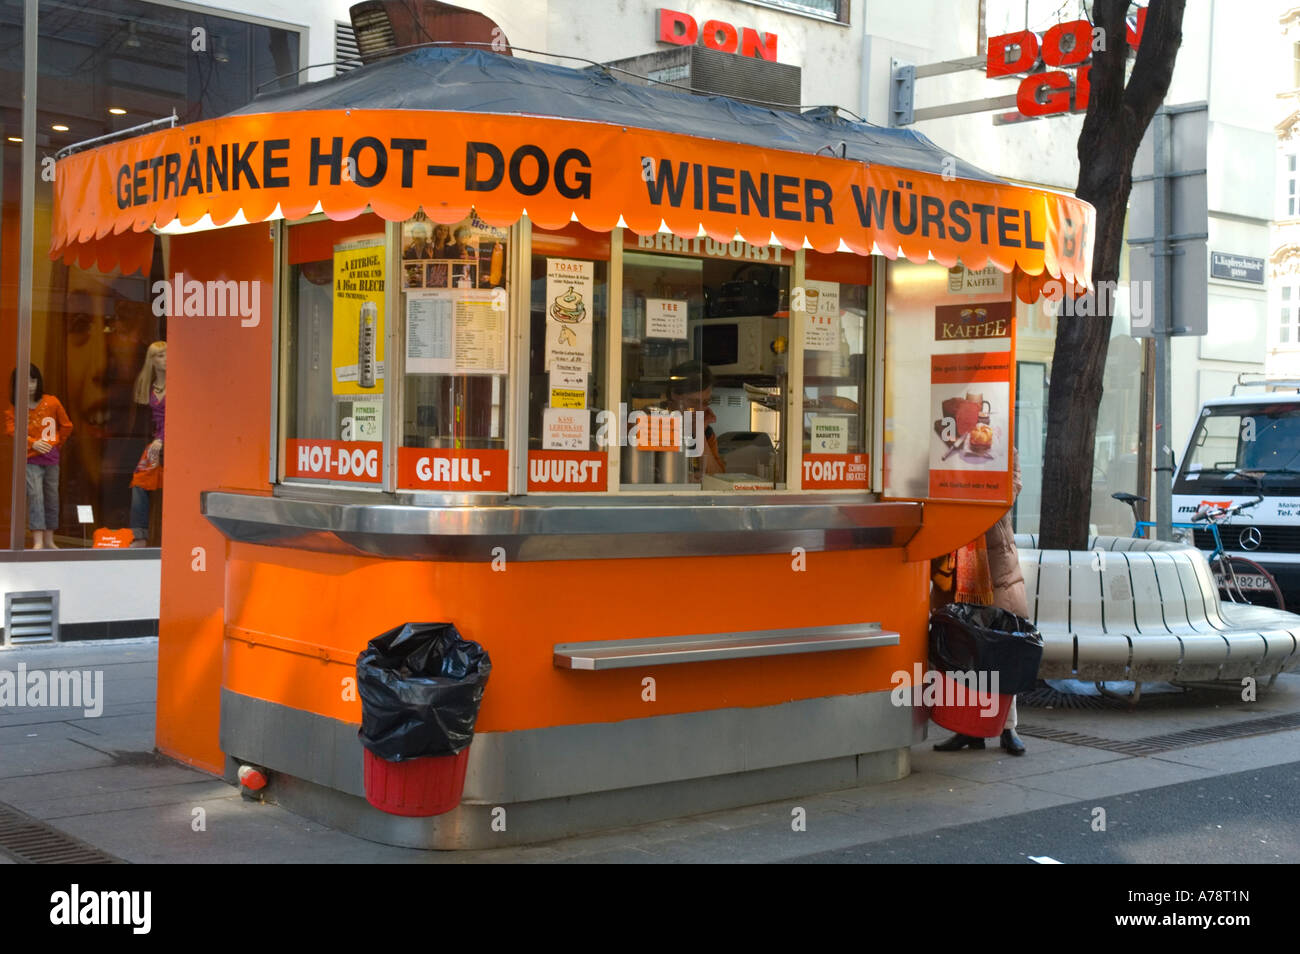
(968, 636)
(421, 685)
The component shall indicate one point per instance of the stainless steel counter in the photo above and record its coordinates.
(557, 527)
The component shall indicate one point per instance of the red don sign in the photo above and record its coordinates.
(1064, 45)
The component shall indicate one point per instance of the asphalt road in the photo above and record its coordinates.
(1250, 817)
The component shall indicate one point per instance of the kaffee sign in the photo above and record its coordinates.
(1068, 46)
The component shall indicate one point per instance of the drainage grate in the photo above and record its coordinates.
(29, 841)
(1155, 744)
(1045, 697)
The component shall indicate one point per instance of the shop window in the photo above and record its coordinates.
(1288, 329)
(569, 312)
(91, 344)
(1286, 188)
(705, 330)
(335, 370)
(838, 330)
(455, 308)
(92, 331)
(828, 9)
(948, 384)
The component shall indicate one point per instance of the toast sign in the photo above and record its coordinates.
(1067, 46)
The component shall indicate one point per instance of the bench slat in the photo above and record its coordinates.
(1086, 614)
(1104, 656)
(1147, 594)
(1203, 655)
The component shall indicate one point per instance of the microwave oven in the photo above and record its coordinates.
(749, 344)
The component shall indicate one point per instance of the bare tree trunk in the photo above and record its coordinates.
(1116, 120)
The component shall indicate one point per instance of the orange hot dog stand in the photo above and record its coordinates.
(414, 314)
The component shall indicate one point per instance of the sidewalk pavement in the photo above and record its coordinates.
(99, 780)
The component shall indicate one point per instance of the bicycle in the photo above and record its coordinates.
(1240, 580)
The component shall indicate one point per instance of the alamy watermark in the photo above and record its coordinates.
(211, 299)
(53, 689)
(1058, 302)
(948, 689)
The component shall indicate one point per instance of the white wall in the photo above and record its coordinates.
(90, 591)
(828, 53)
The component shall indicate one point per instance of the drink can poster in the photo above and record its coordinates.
(970, 405)
(569, 312)
(358, 333)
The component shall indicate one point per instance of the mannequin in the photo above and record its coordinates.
(48, 428)
(151, 391)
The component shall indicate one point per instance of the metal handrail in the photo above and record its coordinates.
(170, 121)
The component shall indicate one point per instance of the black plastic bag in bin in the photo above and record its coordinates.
(421, 685)
(968, 636)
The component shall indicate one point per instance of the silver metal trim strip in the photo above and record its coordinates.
(667, 650)
(563, 527)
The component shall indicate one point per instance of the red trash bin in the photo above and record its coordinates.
(970, 718)
(416, 788)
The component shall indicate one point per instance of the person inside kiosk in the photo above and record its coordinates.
(690, 391)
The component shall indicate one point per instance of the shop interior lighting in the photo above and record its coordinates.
(59, 127)
(117, 110)
(15, 138)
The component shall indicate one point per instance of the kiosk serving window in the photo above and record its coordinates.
(698, 391)
(335, 287)
(568, 321)
(455, 310)
(705, 329)
(838, 328)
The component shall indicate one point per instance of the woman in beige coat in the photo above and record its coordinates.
(1008, 593)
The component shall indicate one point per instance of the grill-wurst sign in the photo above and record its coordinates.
(396, 161)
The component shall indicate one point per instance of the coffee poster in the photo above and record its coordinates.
(970, 445)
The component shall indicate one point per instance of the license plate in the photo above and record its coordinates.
(1253, 582)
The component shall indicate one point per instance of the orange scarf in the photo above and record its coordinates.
(974, 582)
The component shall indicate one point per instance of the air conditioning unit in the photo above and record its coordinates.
(707, 72)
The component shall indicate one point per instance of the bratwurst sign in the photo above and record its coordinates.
(396, 161)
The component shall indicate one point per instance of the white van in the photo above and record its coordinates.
(1243, 447)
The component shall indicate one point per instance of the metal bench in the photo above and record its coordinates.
(1135, 610)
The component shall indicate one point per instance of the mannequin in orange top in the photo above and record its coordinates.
(150, 391)
(48, 428)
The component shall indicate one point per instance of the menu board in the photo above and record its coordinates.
(564, 429)
(455, 331)
(569, 306)
(665, 318)
(821, 327)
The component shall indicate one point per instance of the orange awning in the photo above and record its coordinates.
(256, 166)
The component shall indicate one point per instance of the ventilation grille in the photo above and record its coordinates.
(346, 55)
(32, 617)
(745, 78)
